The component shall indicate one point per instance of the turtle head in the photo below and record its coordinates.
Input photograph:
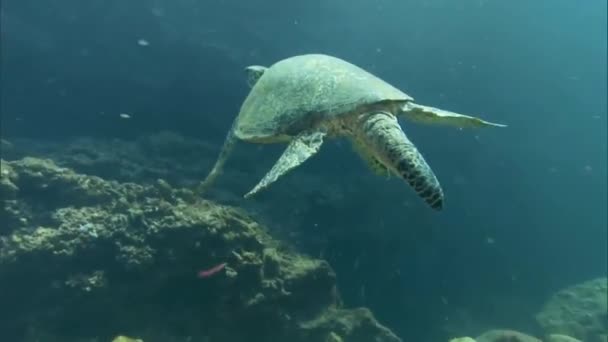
(254, 72)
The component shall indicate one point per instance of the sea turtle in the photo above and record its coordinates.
(303, 99)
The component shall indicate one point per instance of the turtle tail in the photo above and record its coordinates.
(387, 141)
(218, 167)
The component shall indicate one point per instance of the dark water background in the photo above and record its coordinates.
(526, 206)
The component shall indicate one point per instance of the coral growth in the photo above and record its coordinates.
(83, 258)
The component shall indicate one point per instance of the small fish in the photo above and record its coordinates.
(213, 270)
(125, 116)
(143, 42)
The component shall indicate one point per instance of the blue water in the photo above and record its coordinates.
(525, 210)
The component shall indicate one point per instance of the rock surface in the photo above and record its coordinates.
(505, 336)
(462, 339)
(120, 258)
(580, 311)
(561, 338)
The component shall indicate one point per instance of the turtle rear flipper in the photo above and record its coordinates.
(302, 147)
(218, 167)
(431, 115)
(385, 138)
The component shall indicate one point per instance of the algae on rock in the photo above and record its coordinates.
(502, 335)
(580, 311)
(104, 258)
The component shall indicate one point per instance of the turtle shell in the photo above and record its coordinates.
(297, 93)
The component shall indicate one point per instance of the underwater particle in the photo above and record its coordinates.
(143, 42)
(210, 272)
(490, 240)
(362, 292)
(157, 12)
(124, 116)
(459, 180)
(587, 168)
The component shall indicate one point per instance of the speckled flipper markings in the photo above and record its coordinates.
(302, 147)
(382, 133)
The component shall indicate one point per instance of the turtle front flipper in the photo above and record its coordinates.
(383, 136)
(430, 115)
(302, 147)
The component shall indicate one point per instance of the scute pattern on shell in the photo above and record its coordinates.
(297, 93)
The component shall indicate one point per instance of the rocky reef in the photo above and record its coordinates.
(574, 314)
(87, 259)
(505, 336)
(499, 335)
(580, 311)
(108, 232)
